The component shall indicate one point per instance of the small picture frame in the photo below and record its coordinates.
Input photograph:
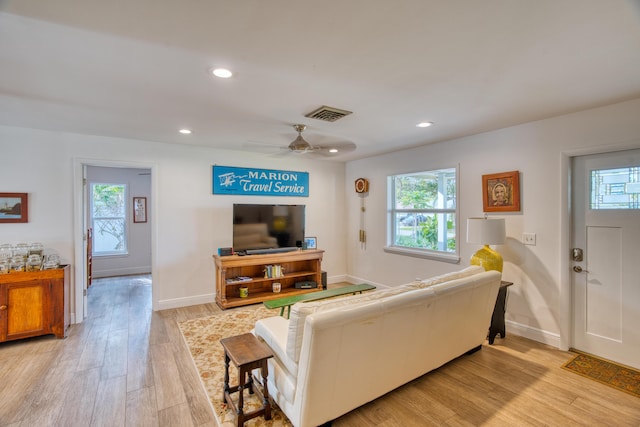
(311, 242)
(139, 209)
(501, 192)
(14, 207)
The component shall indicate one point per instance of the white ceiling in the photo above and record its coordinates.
(139, 68)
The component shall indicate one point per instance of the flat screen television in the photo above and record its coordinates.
(267, 228)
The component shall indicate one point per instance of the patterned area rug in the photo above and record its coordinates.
(202, 336)
(606, 372)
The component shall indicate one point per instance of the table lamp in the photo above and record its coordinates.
(486, 231)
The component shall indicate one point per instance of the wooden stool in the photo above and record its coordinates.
(247, 353)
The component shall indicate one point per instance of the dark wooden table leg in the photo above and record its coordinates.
(226, 390)
(497, 318)
(242, 377)
(266, 402)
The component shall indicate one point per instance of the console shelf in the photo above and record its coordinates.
(298, 266)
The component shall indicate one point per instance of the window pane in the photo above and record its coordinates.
(426, 190)
(431, 231)
(108, 200)
(615, 188)
(108, 235)
(423, 210)
(108, 211)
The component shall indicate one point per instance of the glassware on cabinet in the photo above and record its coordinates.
(5, 266)
(36, 248)
(34, 263)
(21, 249)
(6, 251)
(17, 264)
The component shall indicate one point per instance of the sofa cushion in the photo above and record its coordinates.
(469, 271)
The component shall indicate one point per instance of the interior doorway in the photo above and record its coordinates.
(605, 244)
(128, 231)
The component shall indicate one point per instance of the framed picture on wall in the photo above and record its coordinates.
(501, 192)
(311, 242)
(139, 209)
(14, 207)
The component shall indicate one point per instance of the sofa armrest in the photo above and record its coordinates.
(273, 331)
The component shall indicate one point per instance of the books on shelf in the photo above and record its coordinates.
(238, 279)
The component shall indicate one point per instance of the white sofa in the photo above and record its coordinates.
(333, 356)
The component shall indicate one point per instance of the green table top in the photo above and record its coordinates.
(290, 300)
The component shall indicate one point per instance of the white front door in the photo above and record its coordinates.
(606, 229)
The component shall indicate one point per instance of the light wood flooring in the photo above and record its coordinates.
(128, 366)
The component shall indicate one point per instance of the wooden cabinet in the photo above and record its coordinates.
(34, 303)
(297, 266)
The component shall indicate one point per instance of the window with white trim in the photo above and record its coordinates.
(109, 218)
(422, 212)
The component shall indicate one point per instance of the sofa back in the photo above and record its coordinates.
(357, 352)
(300, 311)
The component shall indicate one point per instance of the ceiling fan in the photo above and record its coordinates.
(301, 146)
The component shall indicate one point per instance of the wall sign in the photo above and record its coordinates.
(259, 182)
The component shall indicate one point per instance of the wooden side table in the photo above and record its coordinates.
(497, 318)
(247, 353)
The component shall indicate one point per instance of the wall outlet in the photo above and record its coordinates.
(529, 238)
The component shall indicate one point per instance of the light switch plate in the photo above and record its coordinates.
(529, 238)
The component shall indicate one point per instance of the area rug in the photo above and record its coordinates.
(202, 337)
(606, 372)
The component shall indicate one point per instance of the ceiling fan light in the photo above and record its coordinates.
(333, 150)
(223, 73)
(299, 144)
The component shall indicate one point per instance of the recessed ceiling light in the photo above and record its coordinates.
(185, 131)
(424, 124)
(223, 73)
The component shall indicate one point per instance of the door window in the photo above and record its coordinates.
(615, 188)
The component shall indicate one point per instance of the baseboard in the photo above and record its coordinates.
(115, 272)
(535, 334)
(356, 280)
(184, 302)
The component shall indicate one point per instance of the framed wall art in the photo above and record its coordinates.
(14, 207)
(139, 209)
(501, 192)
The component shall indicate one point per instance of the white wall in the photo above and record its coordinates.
(190, 222)
(138, 257)
(538, 301)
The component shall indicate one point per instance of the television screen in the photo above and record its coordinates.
(264, 227)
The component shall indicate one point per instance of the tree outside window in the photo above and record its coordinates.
(108, 217)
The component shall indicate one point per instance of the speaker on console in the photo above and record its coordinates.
(225, 251)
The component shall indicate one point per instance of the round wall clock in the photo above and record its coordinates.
(362, 185)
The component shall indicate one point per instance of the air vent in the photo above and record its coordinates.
(328, 114)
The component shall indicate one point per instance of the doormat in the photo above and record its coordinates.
(606, 372)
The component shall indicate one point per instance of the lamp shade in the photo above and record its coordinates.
(486, 231)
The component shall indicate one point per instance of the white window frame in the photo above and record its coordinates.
(393, 212)
(125, 250)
